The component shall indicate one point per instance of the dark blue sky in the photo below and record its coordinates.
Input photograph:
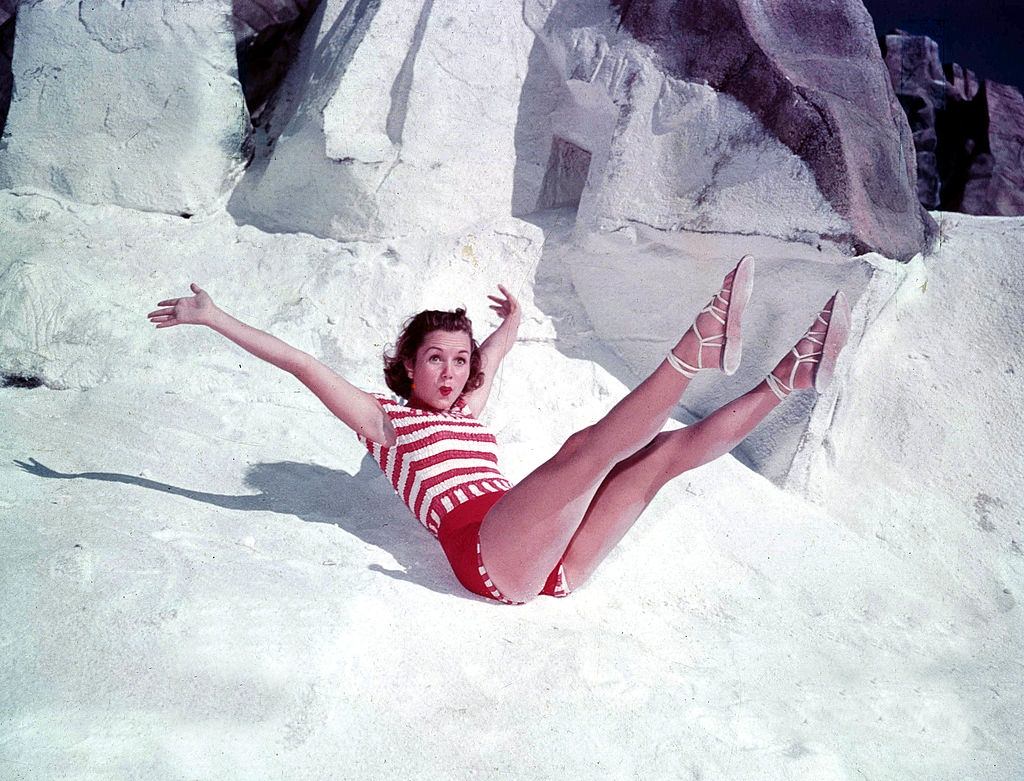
(985, 36)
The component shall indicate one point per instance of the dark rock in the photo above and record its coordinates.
(995, 179)
(267, 35)
(813, 75)
(967, 135)
(920, 85)
(7, 9)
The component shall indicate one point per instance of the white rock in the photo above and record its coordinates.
(137, 104)
(404, 122)
(666, 153)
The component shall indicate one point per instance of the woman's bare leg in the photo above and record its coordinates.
(527, 531)
(633, 483)
(608, 506)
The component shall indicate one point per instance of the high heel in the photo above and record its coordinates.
(730, 315)
(827, 335)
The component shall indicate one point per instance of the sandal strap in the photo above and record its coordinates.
(783, 388)
(681, 366)
(720, 312)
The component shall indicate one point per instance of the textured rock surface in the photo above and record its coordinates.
(921, 87)
(920, 402)
(968, 136)
(399, 117)
(812, 75)
(135, 104)
(664, 153)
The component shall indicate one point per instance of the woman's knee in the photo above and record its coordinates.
(577, 445)
(595, 444)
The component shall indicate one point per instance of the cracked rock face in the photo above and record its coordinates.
(995, 179)
(734, 76)
(135, 104)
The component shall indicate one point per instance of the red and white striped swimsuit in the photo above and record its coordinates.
(439, 459)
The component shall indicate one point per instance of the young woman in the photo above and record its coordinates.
(548, 533)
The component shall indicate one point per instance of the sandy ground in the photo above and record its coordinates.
(209, 579)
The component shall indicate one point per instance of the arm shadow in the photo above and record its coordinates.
(362, 505)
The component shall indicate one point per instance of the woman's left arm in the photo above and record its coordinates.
(495, 347)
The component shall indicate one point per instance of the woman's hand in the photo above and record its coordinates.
(505, 305)
(196, 310)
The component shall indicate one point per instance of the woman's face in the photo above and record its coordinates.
(441, 369)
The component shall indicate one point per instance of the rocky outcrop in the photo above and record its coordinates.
(813, 78)
(967, 133)
(133, 104)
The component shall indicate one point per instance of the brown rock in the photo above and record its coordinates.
(814, 76)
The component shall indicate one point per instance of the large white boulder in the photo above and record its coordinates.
(83, 324)
(755, 123)
(133, 104)
(402, 120)
(927, 415)
(663, 152)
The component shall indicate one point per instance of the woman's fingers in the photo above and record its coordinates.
(168, 302)
(157, 312)
(168, 324)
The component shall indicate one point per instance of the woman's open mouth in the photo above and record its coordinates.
(445, 390)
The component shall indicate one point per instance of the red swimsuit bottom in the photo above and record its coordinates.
(460, 539)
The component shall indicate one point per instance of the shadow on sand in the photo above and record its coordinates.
(362, 505)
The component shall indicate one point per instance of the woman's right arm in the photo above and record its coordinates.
(356, 408)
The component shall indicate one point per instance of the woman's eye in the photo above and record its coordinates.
(461, 361)
(434, 358)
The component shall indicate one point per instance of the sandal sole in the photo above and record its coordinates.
(742, 285)
(835, 339)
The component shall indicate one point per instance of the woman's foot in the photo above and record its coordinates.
(813, 359)
(714, 341)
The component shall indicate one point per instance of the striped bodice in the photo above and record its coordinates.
(439, 460)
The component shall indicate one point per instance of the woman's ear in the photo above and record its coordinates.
(409, 365)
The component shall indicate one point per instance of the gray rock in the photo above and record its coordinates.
(268, 34)
(7, 8)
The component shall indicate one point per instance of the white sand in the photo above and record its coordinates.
(233, 591)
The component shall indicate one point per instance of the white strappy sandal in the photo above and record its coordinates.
(828, 337)
(730, 315)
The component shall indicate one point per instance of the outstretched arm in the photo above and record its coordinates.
(495, 347)
(356, 408)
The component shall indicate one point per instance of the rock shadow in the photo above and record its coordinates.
(362, 505)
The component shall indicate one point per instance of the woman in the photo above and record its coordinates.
(548, 533)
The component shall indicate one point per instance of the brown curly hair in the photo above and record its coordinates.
(414, 330)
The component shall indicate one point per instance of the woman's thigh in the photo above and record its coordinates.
(525, 534)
